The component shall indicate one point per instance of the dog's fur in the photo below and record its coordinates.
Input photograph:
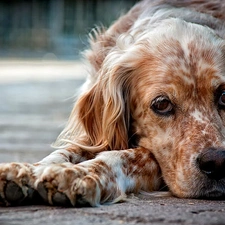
(151, 114)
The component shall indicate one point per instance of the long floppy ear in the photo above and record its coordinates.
(100, 119)
(103, 110)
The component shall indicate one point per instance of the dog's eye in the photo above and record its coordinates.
(163, 106)
(221, 101)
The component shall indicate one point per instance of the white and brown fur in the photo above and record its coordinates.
(152, 113)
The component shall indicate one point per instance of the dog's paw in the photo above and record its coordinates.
(16, 183)
(68, 186)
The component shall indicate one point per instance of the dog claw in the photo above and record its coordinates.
(60, 199)
(42, 191)
(14, 193)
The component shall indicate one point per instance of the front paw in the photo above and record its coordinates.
(68, 185)
(16, 183)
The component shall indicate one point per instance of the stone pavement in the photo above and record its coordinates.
(138, 210)
(33, 111)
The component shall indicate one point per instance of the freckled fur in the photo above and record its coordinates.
(114, 143)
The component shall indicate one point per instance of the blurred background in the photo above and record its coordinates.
(41, 70)
(53, 28)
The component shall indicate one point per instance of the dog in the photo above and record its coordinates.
(151, 114)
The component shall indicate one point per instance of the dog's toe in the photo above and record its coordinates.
(52, 196)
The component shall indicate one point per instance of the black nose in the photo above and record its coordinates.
(212, 163)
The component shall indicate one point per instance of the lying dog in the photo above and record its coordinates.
(152, 113)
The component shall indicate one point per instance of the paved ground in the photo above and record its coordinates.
(34, 106)
(33, 110)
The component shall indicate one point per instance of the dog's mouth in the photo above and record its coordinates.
(214, 190)
(207, 189)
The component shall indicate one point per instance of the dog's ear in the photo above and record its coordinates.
(103, 111)
(100, 119)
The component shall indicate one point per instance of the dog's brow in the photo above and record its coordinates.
(198, 116)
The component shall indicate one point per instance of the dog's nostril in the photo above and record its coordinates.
(207, 167)
(212, 163)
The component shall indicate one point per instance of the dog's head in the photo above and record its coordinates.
(164, 89)
(179, 110)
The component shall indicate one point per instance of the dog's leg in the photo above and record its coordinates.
(17, 179)
(75, 155)
(105, 178)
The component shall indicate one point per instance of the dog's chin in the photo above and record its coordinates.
(212, 189)
(207, 189)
